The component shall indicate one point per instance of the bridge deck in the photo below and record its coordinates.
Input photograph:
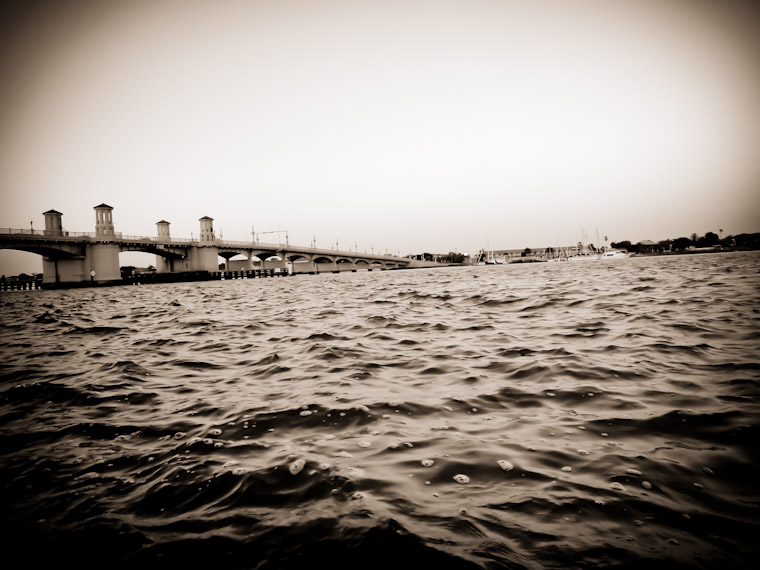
(12, 236)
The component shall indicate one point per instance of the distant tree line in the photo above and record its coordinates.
(709, 240)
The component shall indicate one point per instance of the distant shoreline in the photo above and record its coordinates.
(691, 252)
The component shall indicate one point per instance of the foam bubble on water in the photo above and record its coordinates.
(505, 465)
(448, 408)
(386, 416)
(296, 467)
(343, 453)
(230, 464)
(604, 434)
(582, 452)
(551, 394)
(567, 469)
(179, 435)
(708, 470)
(362, 407)
(364, 443)
(218, 444)
(617, 486)
(324, 466)
(89, 475)
(239, 471)
(646, 484)
(393, 446)
(634, 472)
(215, 431)
(461, 479)
(305, 413)
(357, 496)
(427, 462)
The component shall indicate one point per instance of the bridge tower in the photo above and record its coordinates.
(205, 257)
(162, 231)
(207, 230)
(53, 269)
(104, 221)
(53, 223)
(102, 261)
(163, 265)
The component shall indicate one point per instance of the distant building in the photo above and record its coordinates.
(648, 246)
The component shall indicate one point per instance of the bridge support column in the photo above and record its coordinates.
(103, 259)
(71, 270)
(203, 258)
(163, 264)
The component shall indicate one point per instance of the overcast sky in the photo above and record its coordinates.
(406, 125)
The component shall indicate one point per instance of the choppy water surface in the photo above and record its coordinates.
(538, 416)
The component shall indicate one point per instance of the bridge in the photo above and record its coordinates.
(76, 257)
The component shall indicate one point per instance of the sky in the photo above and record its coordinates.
(396, 125)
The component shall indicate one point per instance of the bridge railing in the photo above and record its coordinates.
(152, 239)
(44, 233)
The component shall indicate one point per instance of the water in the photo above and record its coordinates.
(523, 416)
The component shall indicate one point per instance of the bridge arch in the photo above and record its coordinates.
(293, 257)
(51, 251)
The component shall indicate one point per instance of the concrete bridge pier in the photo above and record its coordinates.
(102, 258)
(102, 262)
(205, 256)
(163, 264)
(63, 270)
